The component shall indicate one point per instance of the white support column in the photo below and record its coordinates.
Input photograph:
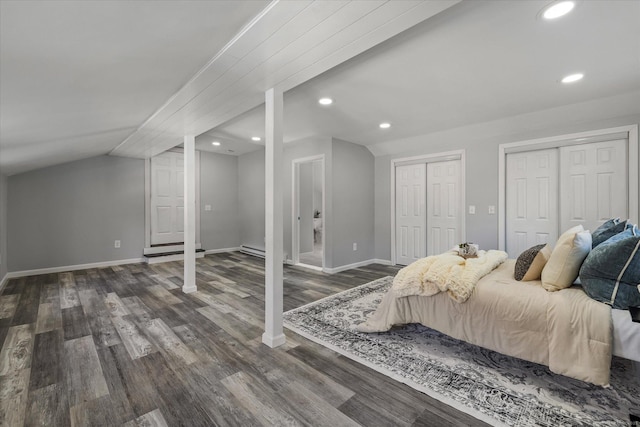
(273, 334)
(189, 214)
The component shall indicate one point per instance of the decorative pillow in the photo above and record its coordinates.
(563, 266)
(530, 263)
(608, 229)
(611, 272)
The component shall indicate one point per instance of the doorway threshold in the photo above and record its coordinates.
(309, 266)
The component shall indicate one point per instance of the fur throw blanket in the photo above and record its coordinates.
(447, 272)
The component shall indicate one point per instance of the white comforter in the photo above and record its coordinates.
(565, 330)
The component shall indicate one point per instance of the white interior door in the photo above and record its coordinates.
(167, 198)
(531, 199)
(410, 213)
(593, 183)
(444, 219)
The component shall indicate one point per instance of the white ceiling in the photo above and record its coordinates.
(475, 62)
(78, 79)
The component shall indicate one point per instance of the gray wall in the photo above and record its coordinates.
(353, 203)
(71, 214)
(3, 226)
(219, 227)
(251, 198)
(480, 143)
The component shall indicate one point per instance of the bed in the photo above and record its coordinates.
(568, 331)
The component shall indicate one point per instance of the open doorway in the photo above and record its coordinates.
(308, 210)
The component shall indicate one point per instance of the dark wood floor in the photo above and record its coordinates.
(124, 346)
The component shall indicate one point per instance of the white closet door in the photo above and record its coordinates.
(532, 199)
(593, 183)
(410, 213)
(444, 219)
(167, 198)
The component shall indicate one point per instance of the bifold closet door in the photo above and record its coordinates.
(444, 216)
(531, 199)
(410, 213)
(593, 183)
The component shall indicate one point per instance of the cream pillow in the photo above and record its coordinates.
(535, 269)
(566, 258)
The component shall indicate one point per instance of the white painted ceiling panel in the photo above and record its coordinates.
(242, 86)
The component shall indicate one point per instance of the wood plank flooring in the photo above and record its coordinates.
(124, 346)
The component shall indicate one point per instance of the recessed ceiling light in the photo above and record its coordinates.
(325, 101)
(255, 138)
(572, 78)
(385, 125)
(216, 143)
(558, 9)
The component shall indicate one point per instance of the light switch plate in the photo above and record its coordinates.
(472, 209)
(207, 207)
(492, 209)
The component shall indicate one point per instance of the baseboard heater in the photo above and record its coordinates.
(252, 251)
(257, 252)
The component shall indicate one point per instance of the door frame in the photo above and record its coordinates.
(147, 197)
(295, 209)
(629, 132)
(427, 158)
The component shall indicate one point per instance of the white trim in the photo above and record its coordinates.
(382, 261)
(4, 281)
(147, 197)
(61, 269)
(428, 158)
(309, 266)
(274, 341)
(349, 266)
(219, 251)
(295, 207)
(629, 132)
(147, 202)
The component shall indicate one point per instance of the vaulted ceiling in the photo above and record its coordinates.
(79, 79)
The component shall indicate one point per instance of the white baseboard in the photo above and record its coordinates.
(382, 261)
(349, 266)
(3, 282)
(37, 271)
(219, 251)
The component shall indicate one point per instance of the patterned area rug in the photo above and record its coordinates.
(498, 389)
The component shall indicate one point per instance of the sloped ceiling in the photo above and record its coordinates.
(475, 62)
(78, 79)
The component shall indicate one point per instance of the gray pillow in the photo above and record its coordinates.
(524, 262)
(611, 272)
(605, 231)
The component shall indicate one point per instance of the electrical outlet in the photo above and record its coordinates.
(492, 209)
(207, 207)
(116, 244)
(355, 246)
(472, 209)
